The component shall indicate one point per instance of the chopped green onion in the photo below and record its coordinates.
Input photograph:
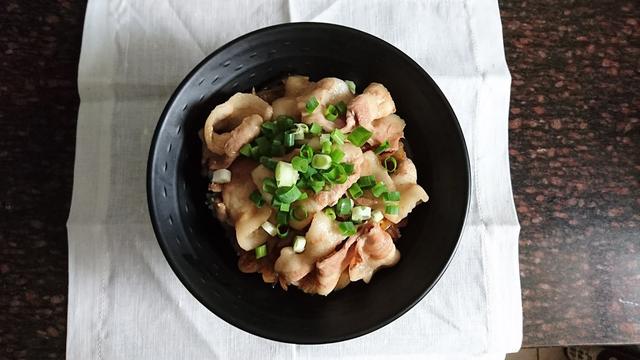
(285, 122)
(337, 155)
(342, 108)
(306, 152)
(282, 230)
(269, 185)
(337, 137)
(299, 213)
(377, 216)
(331, 175)
(269, 128)
(261, 251)
(330, 213)
(277, 149)
(355, 191)
(285, 207)
(289, 138)
(286, 175)
(343, 207)
(269, 228)
(287, 195)
(341, 175)
(325, 137)
(303, 196)
(392, 196)
(391, 209)
(221, 176)
(268, 162)
(326, 147)
(391, 164)
(382, 148)
(347, 228)
(310, 172)
(359, 136)
(282, 218)
(300, 164)
(361, 213)
(321, 161)
(300, 130)
(264, 145)
(379, 189)
(299, 244)
(348, 168)
(255, 152)
(315, 129)
(276, 203)
(311, 104)
(367, 182)
(257, 199)
(351, 85)
(246, 150)
(331, 113)
(316, 185)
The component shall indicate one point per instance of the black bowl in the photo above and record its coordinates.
(196, 245)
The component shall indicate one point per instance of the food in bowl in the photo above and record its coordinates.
(313, 178)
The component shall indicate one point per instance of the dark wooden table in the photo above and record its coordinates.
(575, 162)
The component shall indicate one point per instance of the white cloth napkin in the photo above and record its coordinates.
(124, 300)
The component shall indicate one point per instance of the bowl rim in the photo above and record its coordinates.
(151, 203)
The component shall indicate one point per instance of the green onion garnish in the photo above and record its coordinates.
(337, 155)
(269, 127)
(384, 146)
(282, 218)
(287, 195)
(300, 130)
(315, 129)
(330, 176)
(341, 175)
(348, 168)
(312, 104)
(361, 213)
(300, 164)
(306, 152)
(289, 138)
(303, 196)
(343, 207)
(246, 150)
(282, 231)
(277, 149)
(261, 251)
(264, 145)
(391, 164)
(330, 213)
(316, 185)
(355, 191)
(347, 228)
(269, 185)
(299, 213)
(299, 244)
(377, 216)
(379, 189)
(367, 182)
(359, 136)
(326, 147)
(285, 207)
(342, 108)
(321, 161)
(351, 85)
(337, 137)
(285, 122)
(392, 196)
(391, 209)
(331, 113)
(257, 199)
(286, 175)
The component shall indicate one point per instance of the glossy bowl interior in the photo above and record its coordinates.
(196, 245)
